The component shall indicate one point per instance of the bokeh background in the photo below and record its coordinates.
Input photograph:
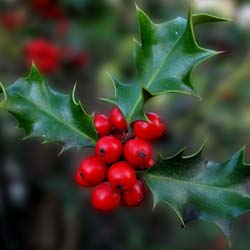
(40, 205)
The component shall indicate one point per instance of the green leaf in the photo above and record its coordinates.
(168, 53)
(199, 189)
(165, 59)
(130, 98)
(43, 112)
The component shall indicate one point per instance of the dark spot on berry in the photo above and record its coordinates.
(119, 187)
(142, 154)
(81, 174)
(102, 151)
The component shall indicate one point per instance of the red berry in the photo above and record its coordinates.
(109, 149)
(149, 130)
(102, 124)
(118, 120)
(121, 176)
(151, 163)
(93, 170)
(49, 9)
(80, 180)
(134, 196)
(53, 12)
(12, 20)
(41, 3)
(45, 55)
(137, 152)
(104, 198)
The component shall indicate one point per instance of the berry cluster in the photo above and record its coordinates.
(119, 155)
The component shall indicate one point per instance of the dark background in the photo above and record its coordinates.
(40, 206)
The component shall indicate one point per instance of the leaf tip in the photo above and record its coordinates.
(108, 100)
(190, 10)
(136, 6)
(141, 15)
(240, 155)
(2, 90)
(179, 153)
(61, 151)
(207, 18)
(197, 96)
(26, 137)
(219, 52)
(73, 95)
(138, 9)
(34, 74)
(135, 41)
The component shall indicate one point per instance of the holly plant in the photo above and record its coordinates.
(193, 187)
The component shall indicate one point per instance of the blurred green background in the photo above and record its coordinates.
(40, 206)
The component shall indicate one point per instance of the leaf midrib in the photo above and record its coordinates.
(151, 80)
(196, 184)
(58, 119)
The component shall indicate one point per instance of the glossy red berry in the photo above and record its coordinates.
(104, 198)
(149, 130)
(80, 180)
(121, 176)
(109, 149)
(137, 152)
(151, 163)
(118, 120)
(93, 170)
(103, 124)
(134, 196)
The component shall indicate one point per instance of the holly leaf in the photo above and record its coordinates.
(130, 98)
(169, 52)
(165, 59)
(199, 189)
(44, 112)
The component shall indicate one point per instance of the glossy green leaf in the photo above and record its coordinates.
(130, 98)
(43, 112)
(198, 189)
(165, 57)
(168, 53)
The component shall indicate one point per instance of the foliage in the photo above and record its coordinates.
(165, 58)
(198, 189)
(44, 112)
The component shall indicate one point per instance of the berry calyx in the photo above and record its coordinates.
(138, 153)
(123, 136)
(134, 196)
(92, 170)
(109, 149)
(80, 180)
(104, 198)
(102, 124)
(149, 130)
(118, 120)
(121, 176)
